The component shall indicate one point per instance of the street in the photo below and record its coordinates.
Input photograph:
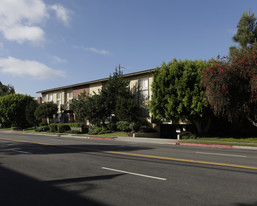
(52, 170)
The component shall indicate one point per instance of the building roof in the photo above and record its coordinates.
(95, 81)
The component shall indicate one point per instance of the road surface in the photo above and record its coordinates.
(52, 170)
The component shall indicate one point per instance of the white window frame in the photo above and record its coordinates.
(50, 97)
(143, 88)
(44, 98)
(70, 95)
(143, 83)
(59, 95)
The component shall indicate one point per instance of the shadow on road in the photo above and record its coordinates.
(19, 189)
(17, 148)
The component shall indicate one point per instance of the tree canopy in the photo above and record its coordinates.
(115, 98)
(178, 94)
(231, 85)
(6, 89)
(246, 31)
(46, 110)
(13, 109)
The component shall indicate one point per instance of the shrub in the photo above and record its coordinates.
(189, 135)
(43, 124)
(147, 129)
(73, 132)
(53, 127)
(42, 129)
(134, 126)
(62, 128)
(75, 124)
(85, 129)
(123, 126)
(112, 126)
(98, 130)
(82, 128)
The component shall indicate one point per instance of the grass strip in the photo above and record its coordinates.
(220, 142)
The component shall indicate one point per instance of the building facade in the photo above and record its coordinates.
(63, 96)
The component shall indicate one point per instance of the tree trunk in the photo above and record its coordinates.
(251, 121)
(202, 125)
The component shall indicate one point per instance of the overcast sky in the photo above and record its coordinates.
(52, 43)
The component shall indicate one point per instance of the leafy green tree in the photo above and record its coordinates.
(6, 89)
(115, 88)
(114, 98)
(119, 99)
(178, 94)
(92, 108)
(46, 110)
(127, 108)
(96, 110)
(79, 107)
(30, 110)
(13, 109)
(246, 31)
(231, 85)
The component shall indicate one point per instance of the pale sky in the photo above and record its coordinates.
(52, 43)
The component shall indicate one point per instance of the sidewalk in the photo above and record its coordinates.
(144, 140)
(163, 141)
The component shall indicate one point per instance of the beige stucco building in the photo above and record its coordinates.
(62, 96)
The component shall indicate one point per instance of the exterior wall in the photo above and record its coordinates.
(38, 99)
(78, 90)
(72, 92)
(94, 88)
(150, 87)
(144, 92)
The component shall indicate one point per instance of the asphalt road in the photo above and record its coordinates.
(51, 170)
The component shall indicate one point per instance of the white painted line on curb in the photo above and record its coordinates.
(228, 155)
(132, 173)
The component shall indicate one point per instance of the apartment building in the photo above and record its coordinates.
(63, 96)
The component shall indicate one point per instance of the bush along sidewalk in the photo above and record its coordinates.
(73, 128)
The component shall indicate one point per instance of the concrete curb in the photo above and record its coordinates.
(102, 138)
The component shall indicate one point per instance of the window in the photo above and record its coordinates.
(50, 97)
(44, 99)
(143, 94)
(70, 101)
(70, 95)
(143, 89)
(59, 95)
(143, 83)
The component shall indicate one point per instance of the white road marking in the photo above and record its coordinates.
(17, 150)
(132, 173)
(229, 155)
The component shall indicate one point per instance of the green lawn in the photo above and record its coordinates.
(225, 141)
(122, 134)
(228, 139)
(5, 129)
